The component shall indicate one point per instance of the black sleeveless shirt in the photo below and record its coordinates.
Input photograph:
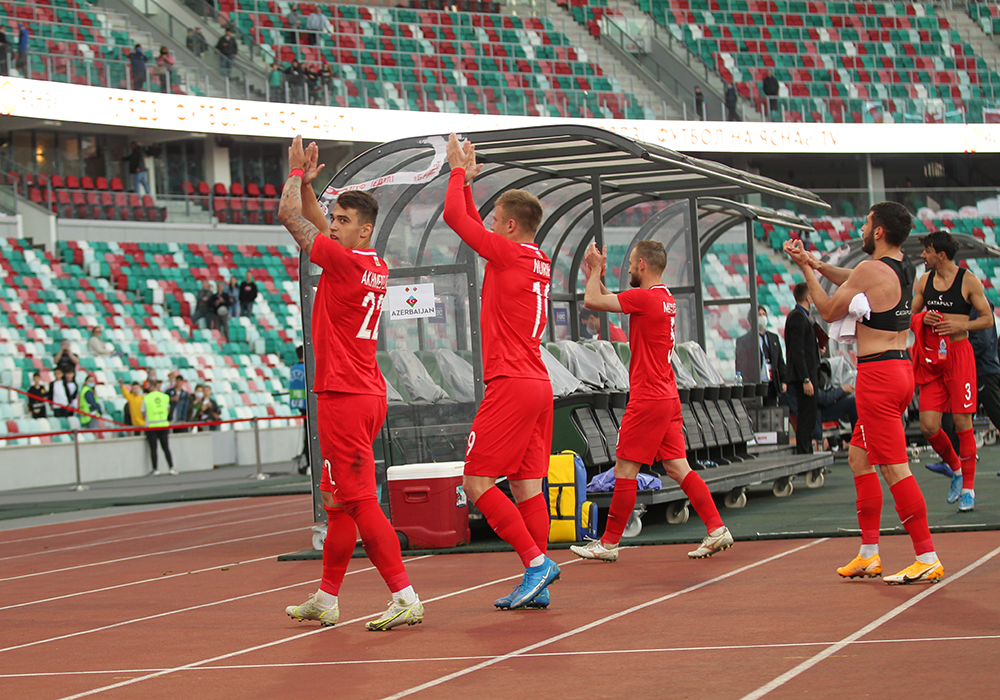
(949, 301)
(898, 317)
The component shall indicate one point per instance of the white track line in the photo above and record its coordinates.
(153, 554)
(267, 645)
(183, 610)
(596, 623)
(895, 612)
(541, 655)
(156, 534)
(164, 577)
(152, 521)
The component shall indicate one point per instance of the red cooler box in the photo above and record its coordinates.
(428, 505)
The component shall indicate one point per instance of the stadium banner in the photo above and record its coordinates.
(411, 301)
(64, 102)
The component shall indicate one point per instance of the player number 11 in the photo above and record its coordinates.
(541, 302)
(374, 304)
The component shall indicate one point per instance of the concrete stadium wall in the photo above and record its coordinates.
(36, 466)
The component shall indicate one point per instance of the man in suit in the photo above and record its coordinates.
(759, 355)
(803, 366)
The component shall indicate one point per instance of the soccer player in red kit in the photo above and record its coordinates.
(949, 293)
(512, 433)
(652, 428)
(350, 390)
(884, 386)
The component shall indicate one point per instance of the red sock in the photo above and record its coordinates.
(341, 537)
(913, 512)
(695, 488)
(967, 453)
(622, 505)
(505, 519)
(869, 506)
(942, 445)
(380, 542)
(535, 513)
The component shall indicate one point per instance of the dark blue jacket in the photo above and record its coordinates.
(984, 345)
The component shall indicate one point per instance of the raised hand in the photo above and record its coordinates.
(311, 168)
(471, 167)
(296, 154)
(595, 259)
(797, 253)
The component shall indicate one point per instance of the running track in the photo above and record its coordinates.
(188, 601)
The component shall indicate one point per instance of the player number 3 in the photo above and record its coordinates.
(374, 304)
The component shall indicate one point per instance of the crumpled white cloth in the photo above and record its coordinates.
(844, 330)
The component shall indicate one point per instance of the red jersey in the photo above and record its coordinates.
(345, 316)
(515, 296)
(652, 318)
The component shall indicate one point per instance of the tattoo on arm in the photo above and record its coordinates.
(290, 213)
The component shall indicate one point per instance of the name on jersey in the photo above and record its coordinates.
(542, 268)
(370, 279)
(669, 307)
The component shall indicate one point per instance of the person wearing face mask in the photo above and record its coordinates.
(90, 406)
(760, 354)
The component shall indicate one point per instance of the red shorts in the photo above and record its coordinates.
(348, 425)
(954, 389)
(512, 432)
(651, 429)
(884, 390)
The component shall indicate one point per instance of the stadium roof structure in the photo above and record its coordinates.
(594, 185)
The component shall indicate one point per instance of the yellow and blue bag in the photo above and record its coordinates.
(572, 516)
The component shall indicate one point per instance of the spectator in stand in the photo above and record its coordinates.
(133, 405)
(22, 49)
(180, 403)
(4, 53)
(276, 83)
(98, 347)
(164, 66)
(191, 42)
(204, 408)
(137, 167)
(699, 103)
(150, 380)
(220, 306)
(317, 22)
(137, 62)
(732, 98)
(200, 42)
(294, 22)
(248, 294)
(63, 392)
(326, 81)
(233, 290)
(227, 49)
(37, 395)
(65, 359)
(90, 407)
(203, 306)
(311, 74)
(296, 82)
(771, 88)
(592, 322)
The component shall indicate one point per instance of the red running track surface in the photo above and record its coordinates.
(188, 601)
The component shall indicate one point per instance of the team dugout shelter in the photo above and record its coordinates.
(594, 186)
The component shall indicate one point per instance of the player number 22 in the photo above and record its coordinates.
(541, 303)
(374, 304)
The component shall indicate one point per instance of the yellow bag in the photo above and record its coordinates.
(572, 516)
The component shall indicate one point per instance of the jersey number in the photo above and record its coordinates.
(541, 305)
(374, 304)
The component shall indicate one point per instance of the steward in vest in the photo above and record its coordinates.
(90, 407)
(156, 409)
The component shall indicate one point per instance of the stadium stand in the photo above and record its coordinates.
(142, 295)
(838, 61)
